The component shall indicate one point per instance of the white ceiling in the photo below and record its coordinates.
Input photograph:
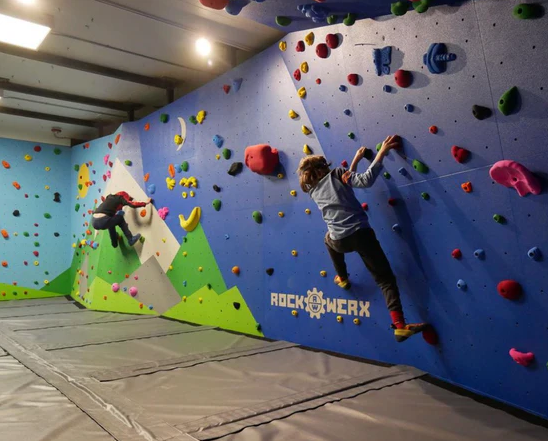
(149, 37)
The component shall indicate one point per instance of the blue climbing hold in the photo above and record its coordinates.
(347, 112)
(461, 284)
(436, 58)
(396, 228)
(121, 212)
(534, 253)
(178, 168)
(402, 171)
(184, 282)
(124, 289)
(479, 254)
(150, 307)
(382, 59)
(409, 107)
(151, 188)
(236, 84)
(218, 141)
(386, 88)
(315, 12)
(227, 237)
(342, 88)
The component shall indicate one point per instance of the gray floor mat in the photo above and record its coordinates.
(39, 310)
(25, 303)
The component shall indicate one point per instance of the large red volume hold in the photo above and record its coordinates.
(262, 159)
(509, 289)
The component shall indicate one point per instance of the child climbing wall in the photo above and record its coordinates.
(34, 220)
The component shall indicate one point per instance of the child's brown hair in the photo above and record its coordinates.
(312, 170)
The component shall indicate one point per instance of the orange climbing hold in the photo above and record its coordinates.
(467, 187)
(143, 213)
(6, 164)
(147, 176)
(5, 234)
(171, 170)
(4, 264)
(147, 127)
(16, 185)
(236, 270)
(117, 140)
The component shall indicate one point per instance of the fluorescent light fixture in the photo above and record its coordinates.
(21, 27)
(203, 47)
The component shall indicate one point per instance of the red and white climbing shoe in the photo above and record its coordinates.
(402, 334)
(342, 283)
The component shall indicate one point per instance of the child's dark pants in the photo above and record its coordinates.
(365, 243)
(110, 223)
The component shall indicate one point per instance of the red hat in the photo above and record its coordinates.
(124, 195)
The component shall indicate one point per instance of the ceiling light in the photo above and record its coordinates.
(27, 2)
(203, 47)
(209, 63)
(22, 27)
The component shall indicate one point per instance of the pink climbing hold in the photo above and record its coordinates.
(300, 46)
(261, 159)
(403, 78)
(106, 158)
(322, 50)
(163, 212)
(353, 79)
(332, 41)
(523, 358)
(133, 291)
(513, 174)
(115, 287)
(509, 289)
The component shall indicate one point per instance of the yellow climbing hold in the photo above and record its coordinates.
(28, 158)
(178, 139)
(200, 300)
(281, 214)
(193, 220)
(306, 150)
(294, 313)
(185, 253)
(304, 67)
(293, 193)
(307, 211)
(294, 253)
(48, 169)
(36, 263)
(306, 130)
(201, 116)
(73, 245)
(170, 267)
(302, 92)
(280, 175)
(184, 298)
(47, 187)
(339, 318)
(309, 38)
(356, 321)
(170, 183)
(293, 114)
(163, 239)
(83, 242)
(323, 273)
(283, 46)
(192, 194)
(189, 182)
(184, 195)
(46, 282)
(217, 156)
(200, 269)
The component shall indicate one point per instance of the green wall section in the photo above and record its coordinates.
(18, 293)
(216, 310)
(103, 299)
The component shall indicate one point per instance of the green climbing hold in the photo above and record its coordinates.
(351, 135)
(185, 239)
(332, 19)
(142, 239)
(128, 162)
(36, 244)
(420, 167)
(47, 215)
(80, 186)
(350, 19)
(46, 273)
(258, 217)
(386, 175)
(283, 21)
(399, 8)
(77, 207)
(36, 196)
(379, 146)
(258, 327)
(76, 167)
(425, 196)
(164, 117)
(26, 234)
(499, 218)
(57, 151)
(184, 166)
(509, 101)
(526, 11)
(326, 124)
(421, 6)
(227, 153)
(216, 204)
(192, 119)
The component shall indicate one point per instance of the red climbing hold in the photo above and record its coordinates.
(322, 50)
(523, 358)
(403, 78)
(433, 130)
(332, 41)
(364, 206)
(297, 74)
(430, 335)
(110, 145)
(215, 4)
(37, 148)
(318, 81)
(344, 164)
(460, 154)
(300, 46)
(226, 88)
(509, 289)
(353, 79)
(262, 159)
(35, 253)
(392, 202)
(456, 253)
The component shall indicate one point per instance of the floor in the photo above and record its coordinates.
(70, 374)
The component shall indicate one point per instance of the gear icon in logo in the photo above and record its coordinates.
(315, 303)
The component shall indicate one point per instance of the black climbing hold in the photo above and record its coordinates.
(368, 154)
(235, 168)
(56, 234)
(16, 213)
(236, 305)
(216, 188)
(481, 112)
(57, 197)
(270, 271)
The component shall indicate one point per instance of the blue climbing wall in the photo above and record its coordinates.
(40, 174)
(477, 327)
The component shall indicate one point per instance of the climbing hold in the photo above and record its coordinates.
(226, 154)
(77, 207)
(419, 166)
(236, 270)
(433, 130)
(192, 119)
(344, 164)
(350, 19)
(184, 166)
(356, 321)
(396, 228)
(304, 67)
(309, 38)
(509, 289)
(332, 19)
(218, 141)
(513, 174)
(392, 201)
(4, 264)
(115, 287)
(170, 182)
(28, 158)
(461, 284)
(76, 167)
(47, 215)
(387, 88)
(409, 108)
(133, 291)
(257, 217)
(282, 46)
(216, 204)
(164, 117)
(387, 175)
(322, 50)
(436, 58)
(347, 112)
(467, 187)
(300, 46)
(306, 150)
(425, 196)
(403, 78)
(270, 271)
(351, 135)
(283, 21)
(430, 335)
(226, 89)
(6, 164)
(326, 124)
(526, 11)
(151, 188)
(456, 253)
(318, 81)
(193, 220)
(302, 92)
(237, 84)
(332, 41)
(294, 253)
(128, 162)
(509, 100)
(481, 112)
(534, 253)
(499, 218)
(297, 75)
(143, 212)
(460, 154)
(292, 114)
(479, 254)
(262, 158)
(342, 88)
(200, 116)
(339, 318)
(235, 168)
(280, 175)
(307, 211)
(353, 79)
(365, 206)
(293, 193)
(281, 214)
(57, 151)
(216, 188)
(294, 313)
(16, 213)
(305, 130)
(171, 170)
(399, 8)
(16, 185)
(402, 171)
